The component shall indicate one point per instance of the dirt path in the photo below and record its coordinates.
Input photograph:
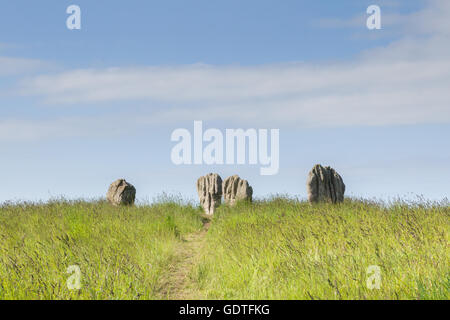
(176, 285)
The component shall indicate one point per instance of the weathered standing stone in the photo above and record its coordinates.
(209, 190)
(325, 184)
(121, 193)
(236, 189)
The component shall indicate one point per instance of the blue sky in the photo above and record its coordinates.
(82, 108)
(213, 32)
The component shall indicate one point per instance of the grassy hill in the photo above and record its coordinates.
(271, 249)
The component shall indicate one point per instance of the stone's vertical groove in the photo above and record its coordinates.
(236, 189)
(324, 184)
(121, 192)
(209, 189)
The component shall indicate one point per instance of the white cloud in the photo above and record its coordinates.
(20, 130)
(13, 66)
(16, 130)
(405, 82)
(378, 90)
(4, 46)
(432, 20)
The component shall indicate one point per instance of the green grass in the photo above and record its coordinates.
(284, 249)
(274, 249)
(122, 252)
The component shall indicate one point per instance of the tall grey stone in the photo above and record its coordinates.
(121, 193)
(209, 189)
(324, 184)
(236, 189)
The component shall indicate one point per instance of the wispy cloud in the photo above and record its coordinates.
(389, 86)
(405, 82)
(4, 46)
(16, 66)
(17, 130)
(433, 20)
(30, 130)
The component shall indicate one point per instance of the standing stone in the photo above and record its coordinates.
(121, 193)
(236, 189)
(209, 190)
(325, 184)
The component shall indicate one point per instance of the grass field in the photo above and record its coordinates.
(271, 249)
(122, 252)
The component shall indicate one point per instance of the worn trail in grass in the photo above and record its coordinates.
(277, 248)
(121, 252)
(286, 249)
(175, 285)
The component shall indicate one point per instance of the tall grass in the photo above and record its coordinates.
(271, 249)
(285, 249)
(121, 252)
